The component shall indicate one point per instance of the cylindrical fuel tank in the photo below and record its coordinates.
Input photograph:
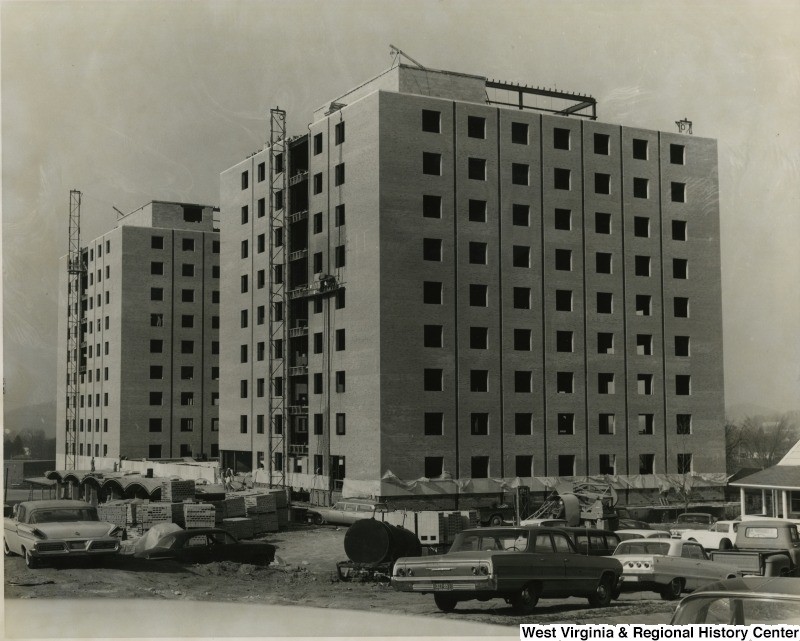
(372, 542)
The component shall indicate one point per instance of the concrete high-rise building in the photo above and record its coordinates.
(435, 281)
(146, 365)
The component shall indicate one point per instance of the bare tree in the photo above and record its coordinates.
(758, 441)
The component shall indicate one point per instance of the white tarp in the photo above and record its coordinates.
(391, 485)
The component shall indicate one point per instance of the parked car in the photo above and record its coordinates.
(626, 535)
(591, 541)
(719, 536)
(496, 514)
(518, 564)
(206, 545)
(742, 601)
(40, 530)
(688, 521)
(768, 548)
(667, 566)
(346, 511)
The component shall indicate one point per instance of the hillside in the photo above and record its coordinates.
(33, 418)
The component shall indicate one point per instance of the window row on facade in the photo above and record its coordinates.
(561, 219)
(433, 381)
(478, 254)
(433, 336)
(562, 178)
(480, 467)
(478, 296)
(562, 137)
(606, 424)
(187, 244)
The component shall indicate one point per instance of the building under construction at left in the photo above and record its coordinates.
(138, 337)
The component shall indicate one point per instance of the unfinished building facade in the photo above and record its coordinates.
(145, 363)
(433, 283)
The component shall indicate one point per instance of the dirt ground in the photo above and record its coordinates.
(305, 574)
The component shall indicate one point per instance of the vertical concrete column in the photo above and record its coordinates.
(742, 510)
(785, 503)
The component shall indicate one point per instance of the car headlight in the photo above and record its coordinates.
(410, 572)
(116, 532)
(38, 533)
(400, 572)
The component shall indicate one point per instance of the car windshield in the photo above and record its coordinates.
(745, 610)
(694, 518)
(61, 515)
(642, 546)
(490, 541)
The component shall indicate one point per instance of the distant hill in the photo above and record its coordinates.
(32, 417)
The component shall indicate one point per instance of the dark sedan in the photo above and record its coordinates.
(206, 545)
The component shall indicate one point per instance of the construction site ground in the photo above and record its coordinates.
(304, 574)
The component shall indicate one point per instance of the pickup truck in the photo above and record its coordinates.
(517, 564)
(719, 536)
(764, 548)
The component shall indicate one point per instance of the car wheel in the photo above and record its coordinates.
(673, 590)
(445, 602)
(617, 592)
(525, 600)
(602, 594)
(496, 520)
(725, 544)
(30, 560)
(7, 550)
(317, 519)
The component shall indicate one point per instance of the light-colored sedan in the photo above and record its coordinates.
(346, 511)
(667, 566)
(719, 536)
(40, 530)
(627, 534)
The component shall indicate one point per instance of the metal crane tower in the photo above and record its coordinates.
(75, 274)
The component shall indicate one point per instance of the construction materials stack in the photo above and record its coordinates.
(177, 491)
(174, 492)
(240, 527)
(262, 508)
(281, 506)
(199, 515)
(149, 514)
(116, 513)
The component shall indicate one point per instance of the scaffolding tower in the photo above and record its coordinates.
(75, 271)
(278, 241)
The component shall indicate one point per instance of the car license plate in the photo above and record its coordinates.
(439, 585)
(628, 579)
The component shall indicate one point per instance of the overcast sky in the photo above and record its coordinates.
(135, 101)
